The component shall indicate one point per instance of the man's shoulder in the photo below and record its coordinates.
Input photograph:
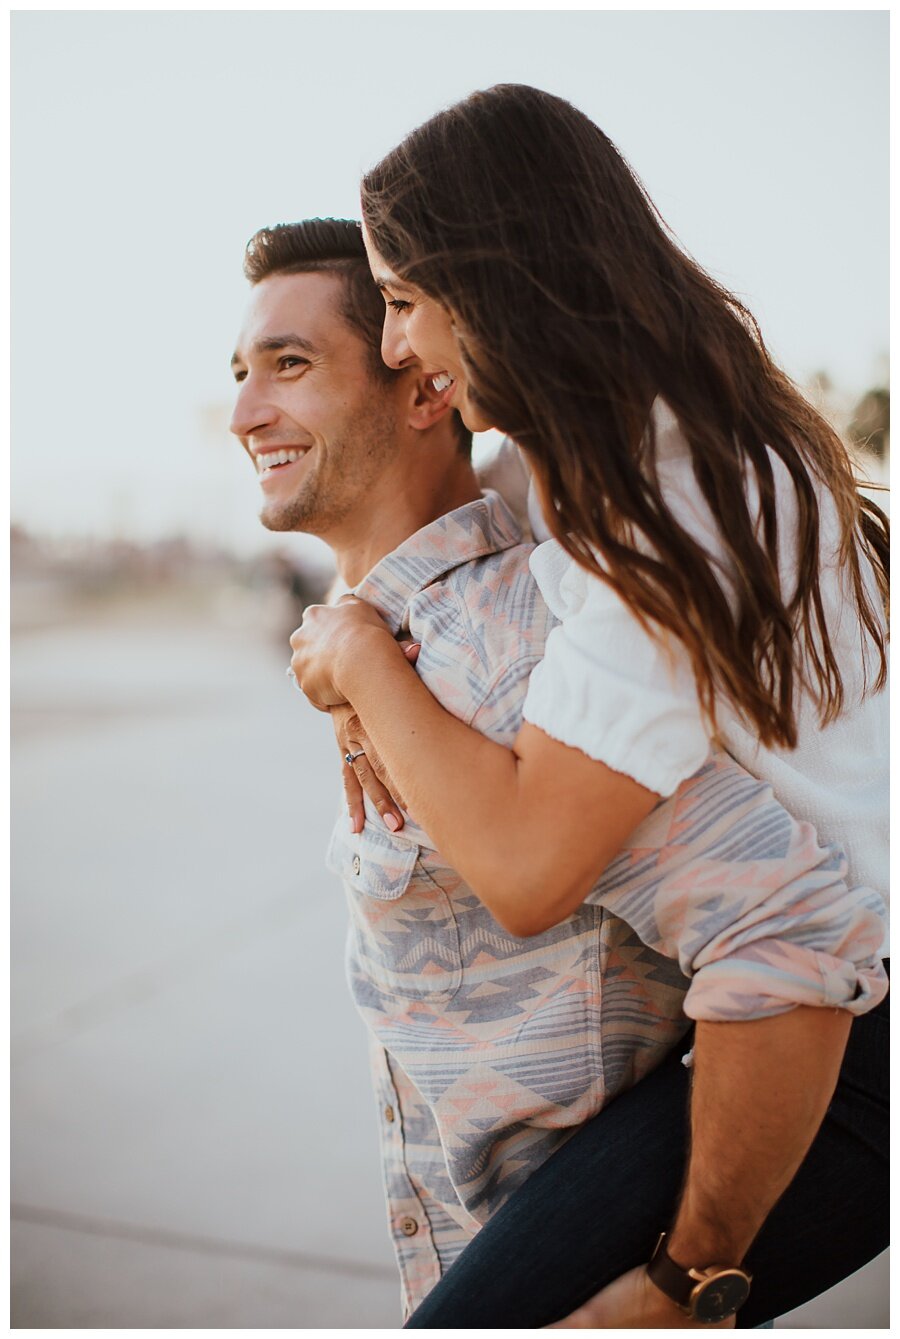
(490, 607)
(510, 563)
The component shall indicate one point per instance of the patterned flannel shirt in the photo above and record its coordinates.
(489, 1051)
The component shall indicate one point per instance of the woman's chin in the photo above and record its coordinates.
(473, 416)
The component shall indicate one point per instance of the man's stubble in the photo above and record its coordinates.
(341, 479)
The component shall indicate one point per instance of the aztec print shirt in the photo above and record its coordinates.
(488, 1051)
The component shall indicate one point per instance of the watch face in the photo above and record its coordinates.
(720, 1297)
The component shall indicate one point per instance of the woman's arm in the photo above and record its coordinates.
(522, 828)
(554, 818)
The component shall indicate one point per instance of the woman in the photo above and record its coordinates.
(717, 577)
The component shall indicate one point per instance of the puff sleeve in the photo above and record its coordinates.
(609, 687)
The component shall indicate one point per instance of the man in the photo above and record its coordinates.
(489, 1051)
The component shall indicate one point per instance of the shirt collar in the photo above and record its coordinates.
(475, 530)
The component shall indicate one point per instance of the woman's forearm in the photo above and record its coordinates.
(457, 784)
(530, 828)
(428, 752)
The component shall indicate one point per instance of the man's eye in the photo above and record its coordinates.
(240, 376)
(291, 360)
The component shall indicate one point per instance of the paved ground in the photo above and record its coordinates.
(193, 1136)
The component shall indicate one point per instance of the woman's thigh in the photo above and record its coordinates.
(596, 1207)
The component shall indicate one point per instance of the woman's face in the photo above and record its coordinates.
(418, 329)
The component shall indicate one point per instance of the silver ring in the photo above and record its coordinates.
(350, 758)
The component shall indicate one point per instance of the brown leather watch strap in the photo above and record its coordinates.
(708, 1295)
(670, 1278)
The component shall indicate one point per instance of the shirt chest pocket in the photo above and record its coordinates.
(405, 934)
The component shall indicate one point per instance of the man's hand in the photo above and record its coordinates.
(329, 639)
(366, 773)
(743, 1153)
(633, 1302)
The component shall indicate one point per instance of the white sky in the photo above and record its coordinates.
(148, 146)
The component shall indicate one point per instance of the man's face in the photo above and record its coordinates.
(311, 414)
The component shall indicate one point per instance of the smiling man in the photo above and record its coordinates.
(494, 1044)
(335, 435)
(375, 462)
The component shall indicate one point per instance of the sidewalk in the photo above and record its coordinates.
(194, 1142)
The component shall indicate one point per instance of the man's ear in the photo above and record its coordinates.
(426, 405)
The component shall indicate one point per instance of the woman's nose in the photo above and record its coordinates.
(395, 349)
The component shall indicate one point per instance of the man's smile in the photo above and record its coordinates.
(277, 459)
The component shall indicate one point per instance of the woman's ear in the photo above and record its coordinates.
(426, 405)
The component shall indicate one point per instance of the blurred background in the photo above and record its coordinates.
(193, 1138)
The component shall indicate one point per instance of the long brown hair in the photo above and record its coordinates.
(575, 310)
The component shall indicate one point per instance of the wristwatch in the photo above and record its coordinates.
(707, 1295)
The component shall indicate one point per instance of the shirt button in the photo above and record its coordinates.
(389, 1115)
(357, 864)
(409, 1227)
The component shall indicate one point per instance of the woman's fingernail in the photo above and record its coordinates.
(354, 823)
(391, 821)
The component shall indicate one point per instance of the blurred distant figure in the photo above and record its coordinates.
(301, 586)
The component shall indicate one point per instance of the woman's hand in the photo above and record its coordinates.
(366, 773)
(633, 1302)
(330, 639)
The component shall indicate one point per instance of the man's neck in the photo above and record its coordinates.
(391, 520)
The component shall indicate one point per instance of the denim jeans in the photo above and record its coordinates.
(596, 1207)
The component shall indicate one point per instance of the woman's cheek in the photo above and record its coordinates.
(416, 337)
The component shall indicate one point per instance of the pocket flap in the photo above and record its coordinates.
(373, 861)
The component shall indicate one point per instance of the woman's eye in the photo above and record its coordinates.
(398, 305)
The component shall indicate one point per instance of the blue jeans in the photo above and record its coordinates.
(596, 1207)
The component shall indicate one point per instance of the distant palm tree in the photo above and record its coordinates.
(870, 426)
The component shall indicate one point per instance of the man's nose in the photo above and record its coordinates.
(395, 350)
(252, 411)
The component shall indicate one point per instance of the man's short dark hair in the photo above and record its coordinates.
(332, 246)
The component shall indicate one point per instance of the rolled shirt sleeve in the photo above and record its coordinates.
(758, 915)
(817, 945)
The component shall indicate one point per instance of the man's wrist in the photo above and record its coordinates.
(696, 1252)
(709, 1238)
(708, 1294)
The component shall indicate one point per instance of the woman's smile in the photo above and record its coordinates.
(416, 327)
